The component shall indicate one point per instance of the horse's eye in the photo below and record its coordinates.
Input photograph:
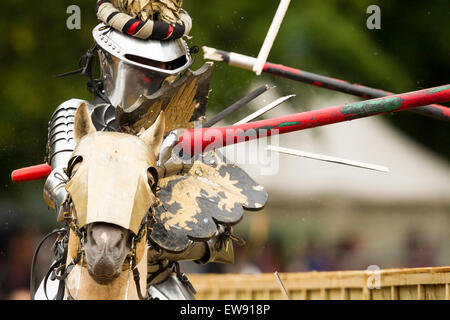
(152, 175)
(150, 178)
(72, 164)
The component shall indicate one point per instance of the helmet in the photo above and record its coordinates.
(132, 67)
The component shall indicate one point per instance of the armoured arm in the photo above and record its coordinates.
(218, 249)
(60, 146)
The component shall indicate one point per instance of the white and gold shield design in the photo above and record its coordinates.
(193, 205)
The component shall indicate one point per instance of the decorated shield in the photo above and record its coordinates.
(192, 206)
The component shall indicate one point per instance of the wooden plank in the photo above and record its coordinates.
(447, 291)
(420, 292)
(394, 293)
(366, 293)
(408, 292)
(324, 294)
(345, 295)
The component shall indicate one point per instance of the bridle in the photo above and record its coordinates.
(60, 271)
(131, 260)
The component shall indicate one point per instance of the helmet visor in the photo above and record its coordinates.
(125, 82)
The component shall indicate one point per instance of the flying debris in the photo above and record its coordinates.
(264, 110)
(271, 35)
(325, 158)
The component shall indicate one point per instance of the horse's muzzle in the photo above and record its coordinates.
(106, 249)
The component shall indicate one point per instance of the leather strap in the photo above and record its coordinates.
(33, 262)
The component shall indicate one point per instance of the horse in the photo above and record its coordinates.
(111, 186)
(127, 224)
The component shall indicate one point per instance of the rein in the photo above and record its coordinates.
(62, 232)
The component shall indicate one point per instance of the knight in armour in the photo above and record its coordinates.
(144, 62)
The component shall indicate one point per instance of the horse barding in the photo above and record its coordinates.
(122, 217)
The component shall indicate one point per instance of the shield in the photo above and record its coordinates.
(192, 206)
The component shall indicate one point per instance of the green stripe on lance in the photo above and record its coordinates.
(288, 124)
(193, 206)
(369, 108)
(438, 89)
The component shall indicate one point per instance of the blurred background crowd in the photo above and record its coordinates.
(319, 216)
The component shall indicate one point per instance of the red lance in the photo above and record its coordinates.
(31, 173)
(195, 141)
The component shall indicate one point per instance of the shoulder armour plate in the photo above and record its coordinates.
(104, 117)
(61, 142)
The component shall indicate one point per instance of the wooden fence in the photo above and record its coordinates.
(389, 284)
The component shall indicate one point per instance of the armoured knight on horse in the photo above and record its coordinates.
(144, 70)
(130, 203)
